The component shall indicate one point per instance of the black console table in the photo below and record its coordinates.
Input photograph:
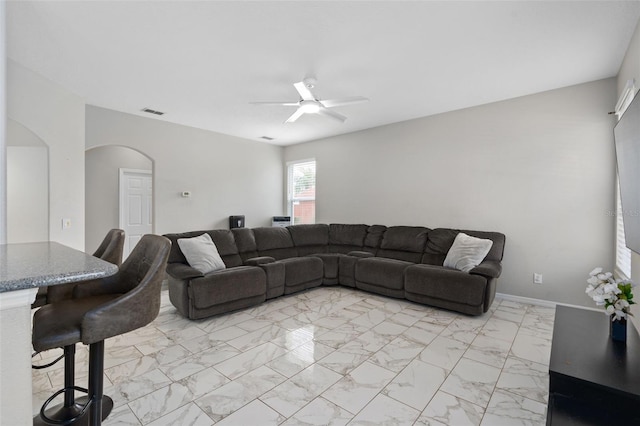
(592, 379)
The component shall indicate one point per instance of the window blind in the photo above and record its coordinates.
(623, 254)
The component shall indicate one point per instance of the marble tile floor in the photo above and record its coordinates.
(327, 356)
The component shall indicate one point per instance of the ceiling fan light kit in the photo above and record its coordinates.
(310, 104)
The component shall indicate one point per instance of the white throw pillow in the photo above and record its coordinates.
(467, 252)
(201, 253)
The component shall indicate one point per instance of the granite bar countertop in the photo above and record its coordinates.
(32, 265)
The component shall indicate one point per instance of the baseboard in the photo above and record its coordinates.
(541, 302)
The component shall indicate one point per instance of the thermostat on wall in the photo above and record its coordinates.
(186, 194)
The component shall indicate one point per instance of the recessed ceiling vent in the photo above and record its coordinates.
(152, 111)
(266, 138)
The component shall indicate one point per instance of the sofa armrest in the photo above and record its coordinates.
(488, 268)
(358, 253)
(257, 261)
(182, 271)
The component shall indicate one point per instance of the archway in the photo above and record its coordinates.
(103, 166)
(27, 185)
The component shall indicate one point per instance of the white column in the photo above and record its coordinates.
(15, 357)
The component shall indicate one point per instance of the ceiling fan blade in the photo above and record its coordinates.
(276, 103)
(295, 116)
(328, 113)
(304, 92)
(330, 103)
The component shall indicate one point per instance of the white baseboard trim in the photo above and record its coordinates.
(541, 302)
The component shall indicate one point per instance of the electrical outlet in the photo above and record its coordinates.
(537, 278)
(66, 223)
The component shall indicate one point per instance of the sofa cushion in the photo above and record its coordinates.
(302, 270)
(440, 240)
(227, 285)
(275, 242)
(404, 243)
(310, 239)
(373, 238)
(175, 254)
(381, 272)
(201, 253)
(275, 278)
(344, 238)
(226, 244)
(330, 262)
(222, 238)
(467, 252)
(183, 271)
(445, 284)
(246, 242)
(497, 250)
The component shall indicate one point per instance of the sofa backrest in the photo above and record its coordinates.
(222, 238)
(275, 242)
(246, 242)
(344, 238)
(410, 243)
(403, 243)
(310, 239)
(374, 238)
(440, 241)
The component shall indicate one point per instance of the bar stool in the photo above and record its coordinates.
(100, 309)
(110, 249)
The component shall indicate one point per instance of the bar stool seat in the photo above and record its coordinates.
(105, 308)
(62, 326)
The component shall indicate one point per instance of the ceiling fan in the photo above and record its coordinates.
(310, 104)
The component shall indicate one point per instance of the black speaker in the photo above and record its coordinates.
(236, 221)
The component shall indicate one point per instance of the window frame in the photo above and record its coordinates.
(622, 267)
(290, 167)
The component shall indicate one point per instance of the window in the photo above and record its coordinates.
(301, 191)
(623, 254)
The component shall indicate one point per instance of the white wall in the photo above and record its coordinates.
(27, 185)
(56, 116)
(226, 175)
(537, 168)
(3, 122)
(631, 69)
(27, 194)
(102, 201)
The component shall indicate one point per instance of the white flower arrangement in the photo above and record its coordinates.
(615, 296)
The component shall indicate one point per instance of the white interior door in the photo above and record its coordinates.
(136, 201)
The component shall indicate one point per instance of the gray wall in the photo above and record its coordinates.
(102, 166)
(539, 168)
(56, 116)
(27, 185)
(226, 175)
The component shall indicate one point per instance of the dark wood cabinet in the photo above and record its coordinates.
(593, 380)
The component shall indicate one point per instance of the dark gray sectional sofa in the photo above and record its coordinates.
(396, 261)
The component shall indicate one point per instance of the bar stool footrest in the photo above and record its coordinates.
(76, 415)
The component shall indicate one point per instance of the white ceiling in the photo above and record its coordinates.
(203, 62)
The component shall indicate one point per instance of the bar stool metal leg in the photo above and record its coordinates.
(87, 410)
(101, 404)
(67, 412)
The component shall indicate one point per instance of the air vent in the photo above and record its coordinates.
(152, 111)
(266, 138)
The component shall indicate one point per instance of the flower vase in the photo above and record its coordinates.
(618, 330)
